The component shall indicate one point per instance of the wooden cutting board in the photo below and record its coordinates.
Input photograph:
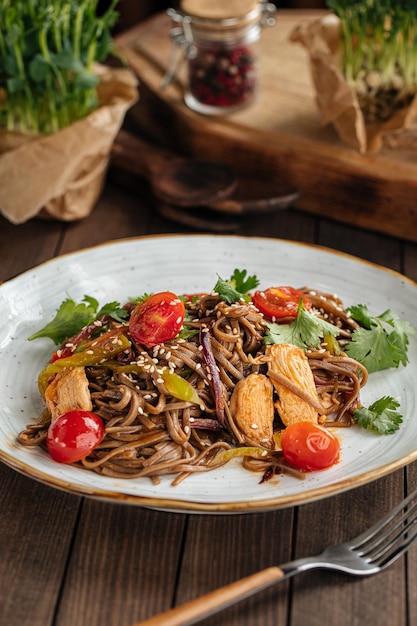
(278, 142)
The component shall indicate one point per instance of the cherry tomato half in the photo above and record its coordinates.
(309, 446)
(73, 435)
(157, 319)
(279, 302)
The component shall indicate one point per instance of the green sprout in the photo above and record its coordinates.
(47, 52)
(379, 52)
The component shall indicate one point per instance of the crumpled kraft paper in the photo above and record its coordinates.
(336, 100)
(61, 176)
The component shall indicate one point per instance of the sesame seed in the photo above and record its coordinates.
(89, 351)
(254, 426)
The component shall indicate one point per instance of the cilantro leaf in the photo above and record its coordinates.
(236, 287)
(381, 342)
(139, 299)
(242, 282)
(114, 310)
(360, 313)
(380, 417)
(71, 317)
(307, 330)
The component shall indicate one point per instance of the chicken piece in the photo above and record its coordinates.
(291, 375)
(252, 407)
(69, 390)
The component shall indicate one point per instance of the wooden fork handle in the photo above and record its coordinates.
(195, 610)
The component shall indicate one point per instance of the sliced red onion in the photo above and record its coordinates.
(216, 383)
(205, 424)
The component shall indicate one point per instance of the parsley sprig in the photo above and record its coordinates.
(381, 341)
(307, 330)
(381, 417)
(71, 317)
(237, 287)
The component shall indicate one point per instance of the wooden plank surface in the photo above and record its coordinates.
(278, 142)
(69, 561)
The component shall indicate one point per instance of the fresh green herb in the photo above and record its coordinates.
(381, 417)
(381, 342)
(114, 310)
(47, 51)
(236, 287)
(305, 331)
(139, 299)
(187, 333)
(378, 52)
(72, 317)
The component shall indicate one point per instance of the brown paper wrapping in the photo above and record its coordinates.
(61, 176)
(337, 101)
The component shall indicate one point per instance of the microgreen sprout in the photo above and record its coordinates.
(47, 52)
(379, 52)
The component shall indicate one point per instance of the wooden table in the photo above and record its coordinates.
(67, 560)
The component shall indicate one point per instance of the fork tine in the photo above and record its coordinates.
(386, 534)
(391, 536)
(383, 522)
(397, 549)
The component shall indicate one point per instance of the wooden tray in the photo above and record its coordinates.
(279, 140)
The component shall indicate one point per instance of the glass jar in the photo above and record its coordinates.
(220, 46)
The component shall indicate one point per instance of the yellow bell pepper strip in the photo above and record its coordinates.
(126, 368)
(332, 344)
(95, 353)
(180, 388)
(223, 456)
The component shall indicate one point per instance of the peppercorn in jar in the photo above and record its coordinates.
(220, 43)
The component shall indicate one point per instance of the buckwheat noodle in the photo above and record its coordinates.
(151, 433)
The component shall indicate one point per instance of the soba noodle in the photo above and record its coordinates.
(151, 433)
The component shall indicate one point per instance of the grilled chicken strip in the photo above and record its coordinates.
(252, 407)
(291, 375)
(69, 390)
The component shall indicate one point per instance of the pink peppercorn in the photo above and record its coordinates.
(219, 41)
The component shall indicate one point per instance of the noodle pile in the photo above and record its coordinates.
(149, 432)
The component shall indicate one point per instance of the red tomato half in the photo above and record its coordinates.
(309, 446)
(73, 435)
(279, 302)
(157, 319)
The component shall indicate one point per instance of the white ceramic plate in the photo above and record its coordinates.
(131, 267)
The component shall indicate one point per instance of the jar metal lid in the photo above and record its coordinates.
(219, 9)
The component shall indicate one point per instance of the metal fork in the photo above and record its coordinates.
(369, 553)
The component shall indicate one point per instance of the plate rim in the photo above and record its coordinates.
(190, 505)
